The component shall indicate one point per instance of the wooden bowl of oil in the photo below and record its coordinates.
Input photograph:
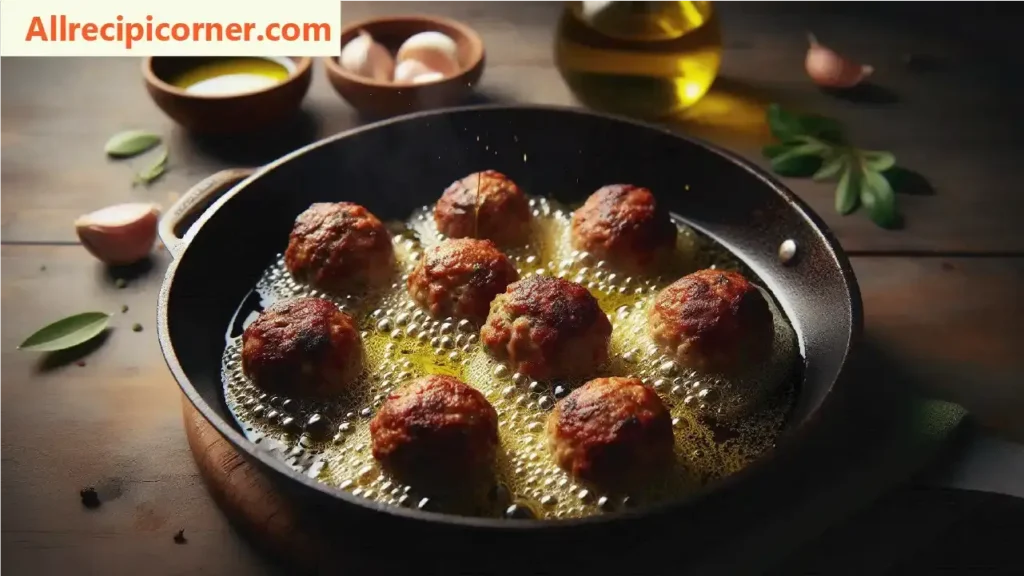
(223, 95)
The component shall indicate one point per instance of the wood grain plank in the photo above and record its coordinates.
(922, 531)
(953, 325)
(955, 124)
(115, 423)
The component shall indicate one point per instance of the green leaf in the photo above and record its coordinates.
(784, 125)
(154, 170)
(802, 159)
(810, 144)
(66, 333)
(847, 191)
(807, 146)
(796, 166)
(130, 143)
(821, 127)
(814, 145)
(773, 150)
(787, 126)
(878, 198)
(878, 160)
(830, 168)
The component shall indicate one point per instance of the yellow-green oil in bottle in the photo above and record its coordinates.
(643, 59)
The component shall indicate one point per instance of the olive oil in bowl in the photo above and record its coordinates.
(229, 76)
(644, 59)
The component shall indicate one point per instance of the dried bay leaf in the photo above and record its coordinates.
(130, 143)
(67, 332)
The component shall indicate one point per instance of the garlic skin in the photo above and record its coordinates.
(120, 234)
(828, 69)
(365, 57)
(434, 49)
(415, 72)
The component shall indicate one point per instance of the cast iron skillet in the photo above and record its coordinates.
(392, 167)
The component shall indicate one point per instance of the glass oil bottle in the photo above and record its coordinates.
(642, 59)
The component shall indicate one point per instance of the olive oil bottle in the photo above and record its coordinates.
(643, 59)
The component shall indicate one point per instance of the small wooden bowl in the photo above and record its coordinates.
(232, 113)
(390, 98)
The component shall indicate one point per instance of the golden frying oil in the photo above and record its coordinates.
(233, 75)
(647, 59)
(330, 442)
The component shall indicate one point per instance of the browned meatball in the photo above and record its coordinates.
(484, 205)
(339, 246)
(611, 432)
(547, 327)
(459, 277)
(713, 320)
(435, 429)
(622, 225)
(304, 347)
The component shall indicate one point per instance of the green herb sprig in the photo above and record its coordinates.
(154, 170)
(815, 146)
(131, 143)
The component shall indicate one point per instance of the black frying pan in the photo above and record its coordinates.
(394, 166)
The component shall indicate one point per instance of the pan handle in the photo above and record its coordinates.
(200, 194)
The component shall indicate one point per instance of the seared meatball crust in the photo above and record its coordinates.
(459, 277)
(611, 432)
(622, 225)
(435, 430)
(305, 348)
(547, 327)
(713, 320)
(484, 205)
(339, 246)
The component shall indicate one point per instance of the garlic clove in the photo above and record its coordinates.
(121, 234)
(427, 77)
(365, 57)
(415, 71)
(827, 68)
(434, 49)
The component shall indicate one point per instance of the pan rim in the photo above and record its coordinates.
(788, 443)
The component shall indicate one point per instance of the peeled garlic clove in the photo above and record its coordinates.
(414, 70)
(428, 77)
(120, 234)
(434, 49)
(829, 69)
(367, 58)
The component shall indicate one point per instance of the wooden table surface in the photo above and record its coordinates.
(942, 295)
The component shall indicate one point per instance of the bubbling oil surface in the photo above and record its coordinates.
(720, 424)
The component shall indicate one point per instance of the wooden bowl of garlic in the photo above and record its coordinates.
(400, 64)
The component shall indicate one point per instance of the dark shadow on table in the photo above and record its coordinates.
(488, 97)
(910, 182)
(917, 63)
(135, 271)
(919, 530)
(261, 147)
(475, 98)
(77, 354)
(865, 93)
(910, 528)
